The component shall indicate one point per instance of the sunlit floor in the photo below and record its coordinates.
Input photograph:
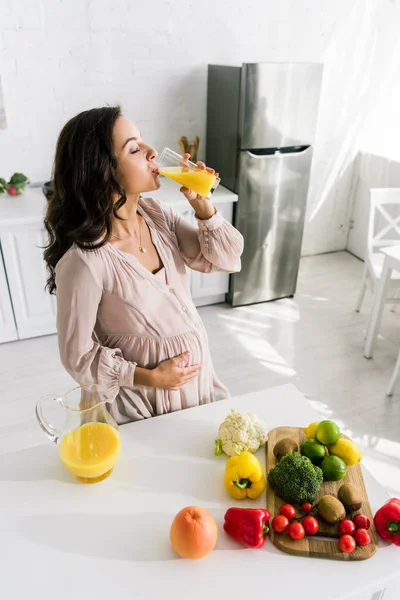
(314, 341)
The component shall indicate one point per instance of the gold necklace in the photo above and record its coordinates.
(141, 248)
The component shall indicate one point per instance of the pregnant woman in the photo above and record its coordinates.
(116, 261)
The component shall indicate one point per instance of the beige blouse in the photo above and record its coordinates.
(114, 314)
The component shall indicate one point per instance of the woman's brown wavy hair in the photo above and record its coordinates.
(86, 193)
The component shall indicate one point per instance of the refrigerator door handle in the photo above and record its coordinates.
(277, 153)
(261, 156)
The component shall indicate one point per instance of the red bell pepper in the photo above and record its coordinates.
(249, 526)
(387, 521)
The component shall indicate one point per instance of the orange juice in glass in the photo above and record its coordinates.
(187, 174)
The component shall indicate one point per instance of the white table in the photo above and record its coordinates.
(391, 263)
(69, 541)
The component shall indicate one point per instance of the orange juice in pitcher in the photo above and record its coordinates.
(89, 443)
(90, 451)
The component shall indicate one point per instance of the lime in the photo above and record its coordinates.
(313, 450)
(327, 432)
(333, 468)
(310, 430)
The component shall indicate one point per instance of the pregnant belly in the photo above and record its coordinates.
(149, 352)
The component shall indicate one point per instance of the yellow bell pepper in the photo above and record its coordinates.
(244, 477)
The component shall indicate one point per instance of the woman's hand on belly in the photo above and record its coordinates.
(169, 375)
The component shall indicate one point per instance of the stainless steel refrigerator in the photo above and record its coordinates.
(261, 122)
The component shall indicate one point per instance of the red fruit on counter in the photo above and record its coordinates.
(361, 521)
(12, 190)
(249, 526)
(387, 521)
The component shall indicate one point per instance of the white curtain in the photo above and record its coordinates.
(353, 61)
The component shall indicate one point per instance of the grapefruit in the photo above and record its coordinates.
(193, 532)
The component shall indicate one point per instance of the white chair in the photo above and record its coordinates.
(383, 230)
(393, 379)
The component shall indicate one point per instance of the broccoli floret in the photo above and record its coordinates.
(295, 479)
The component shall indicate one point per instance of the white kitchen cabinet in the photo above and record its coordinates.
(22, 237)
(211, 288)
(34, 308)
(8, 330)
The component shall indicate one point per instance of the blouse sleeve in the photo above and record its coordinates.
(79, 293)
(215, 245)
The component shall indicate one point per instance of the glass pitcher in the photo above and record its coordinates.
(89, 443)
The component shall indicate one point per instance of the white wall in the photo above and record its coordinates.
(60, 57)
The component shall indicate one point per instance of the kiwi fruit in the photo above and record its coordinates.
(331, 509)
(350, 496)
(285, 446)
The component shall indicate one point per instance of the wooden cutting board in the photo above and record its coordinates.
(318, 545)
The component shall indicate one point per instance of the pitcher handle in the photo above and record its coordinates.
(52, 433)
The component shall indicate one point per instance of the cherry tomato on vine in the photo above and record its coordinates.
(347, 543)
(362, 537)
(361, 521)
(288, 511)
(280, 523)
(310, 525)
(306, 507)
(346, 526)
(296, 531)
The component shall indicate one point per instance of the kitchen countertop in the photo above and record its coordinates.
(29, 207)
(111, 539)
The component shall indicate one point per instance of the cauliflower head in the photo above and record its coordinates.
(239, 433)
